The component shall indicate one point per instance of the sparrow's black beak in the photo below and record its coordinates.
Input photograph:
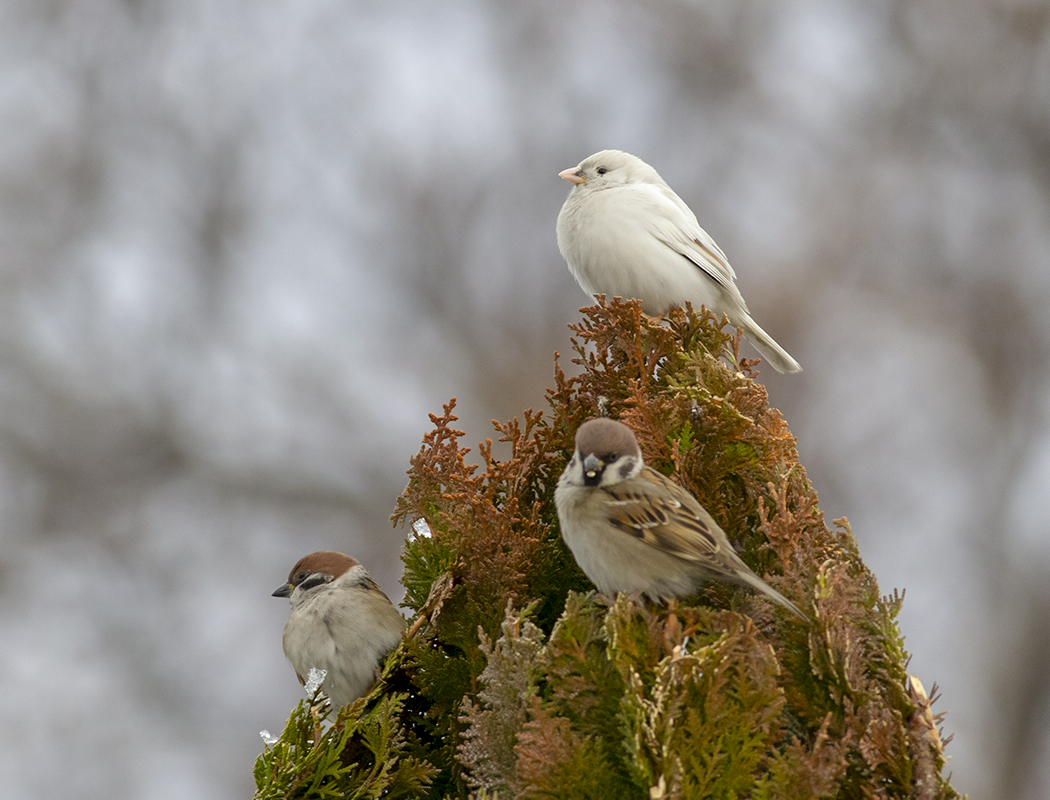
(592, 470)
(283, 591)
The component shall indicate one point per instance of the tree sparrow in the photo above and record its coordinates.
(625, 233)
(633, 530)
(341, 622)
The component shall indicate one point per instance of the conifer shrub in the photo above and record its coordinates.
(517, 680)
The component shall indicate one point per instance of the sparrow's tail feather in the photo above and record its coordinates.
(767, 347)
(752, 580)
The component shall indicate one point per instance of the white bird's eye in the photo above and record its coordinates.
(602, 170)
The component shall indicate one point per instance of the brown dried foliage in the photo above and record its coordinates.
(804, 711)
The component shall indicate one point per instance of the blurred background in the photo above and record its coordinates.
(246, 247)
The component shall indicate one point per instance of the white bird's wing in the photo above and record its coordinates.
(672, 222)
(694, 243)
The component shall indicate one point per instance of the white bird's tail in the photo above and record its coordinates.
(766, 346)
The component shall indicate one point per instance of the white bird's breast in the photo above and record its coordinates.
(609, 240)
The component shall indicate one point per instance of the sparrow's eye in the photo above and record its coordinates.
(300, 576)
(602, 170)
(612, 456)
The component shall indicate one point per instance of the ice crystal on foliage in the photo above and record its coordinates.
(314, 679)
(268, 738)
(420, 528)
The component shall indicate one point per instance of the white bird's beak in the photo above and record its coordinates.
(572, 175)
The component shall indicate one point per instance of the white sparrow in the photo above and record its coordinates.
(631, 529)
(625, 233)
(341, 622)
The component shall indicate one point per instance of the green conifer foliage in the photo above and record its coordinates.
(517, 680)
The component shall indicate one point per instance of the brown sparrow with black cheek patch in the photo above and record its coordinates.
(631, 529)
(341, 622)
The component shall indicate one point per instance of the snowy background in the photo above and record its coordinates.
(245, 247)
